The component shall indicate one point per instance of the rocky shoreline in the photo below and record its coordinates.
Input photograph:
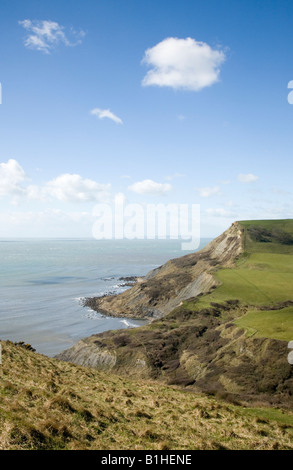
(129, 280)
(94, 302)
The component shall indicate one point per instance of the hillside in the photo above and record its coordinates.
(227, 337)
(48, 404)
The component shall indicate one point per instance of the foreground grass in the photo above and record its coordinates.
(48, 404)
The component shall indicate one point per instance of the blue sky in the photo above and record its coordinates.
(161, 101)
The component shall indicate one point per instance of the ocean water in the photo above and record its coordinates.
(43, 282)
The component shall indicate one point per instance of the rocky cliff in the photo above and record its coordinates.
(164, 288)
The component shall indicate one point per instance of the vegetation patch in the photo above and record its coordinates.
(261, 234)
(272, 323)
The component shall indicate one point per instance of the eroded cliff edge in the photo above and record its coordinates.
(164, 288)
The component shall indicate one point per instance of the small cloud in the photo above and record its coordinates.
(249, 178)
(207, 192)
(106, 113)
(44, 35)
(125, 176)
(180, 117)
(150, 187)
(183, 64)
(74, 188)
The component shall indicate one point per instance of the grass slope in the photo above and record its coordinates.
(262, 276)
(49, 404)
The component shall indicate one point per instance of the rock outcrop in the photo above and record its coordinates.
(87, 352)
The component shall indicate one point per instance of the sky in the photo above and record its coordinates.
(157, 102)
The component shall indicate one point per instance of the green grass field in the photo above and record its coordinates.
(263, 276)
(276, 324)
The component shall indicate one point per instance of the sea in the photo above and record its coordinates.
(43, 283)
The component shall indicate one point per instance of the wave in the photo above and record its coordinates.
(128, 323)
(92, 315)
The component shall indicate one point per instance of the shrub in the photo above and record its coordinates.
(121, 340)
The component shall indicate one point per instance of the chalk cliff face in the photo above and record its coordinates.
(164, 288)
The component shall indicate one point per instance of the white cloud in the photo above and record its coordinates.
(74, 188)
(207, 192)
(11, 177)
(150, 187)
(183, 64)
(45, 35)
(106, 113)
(66, 187)
(249, 178)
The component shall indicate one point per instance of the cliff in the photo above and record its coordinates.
(164, 288)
